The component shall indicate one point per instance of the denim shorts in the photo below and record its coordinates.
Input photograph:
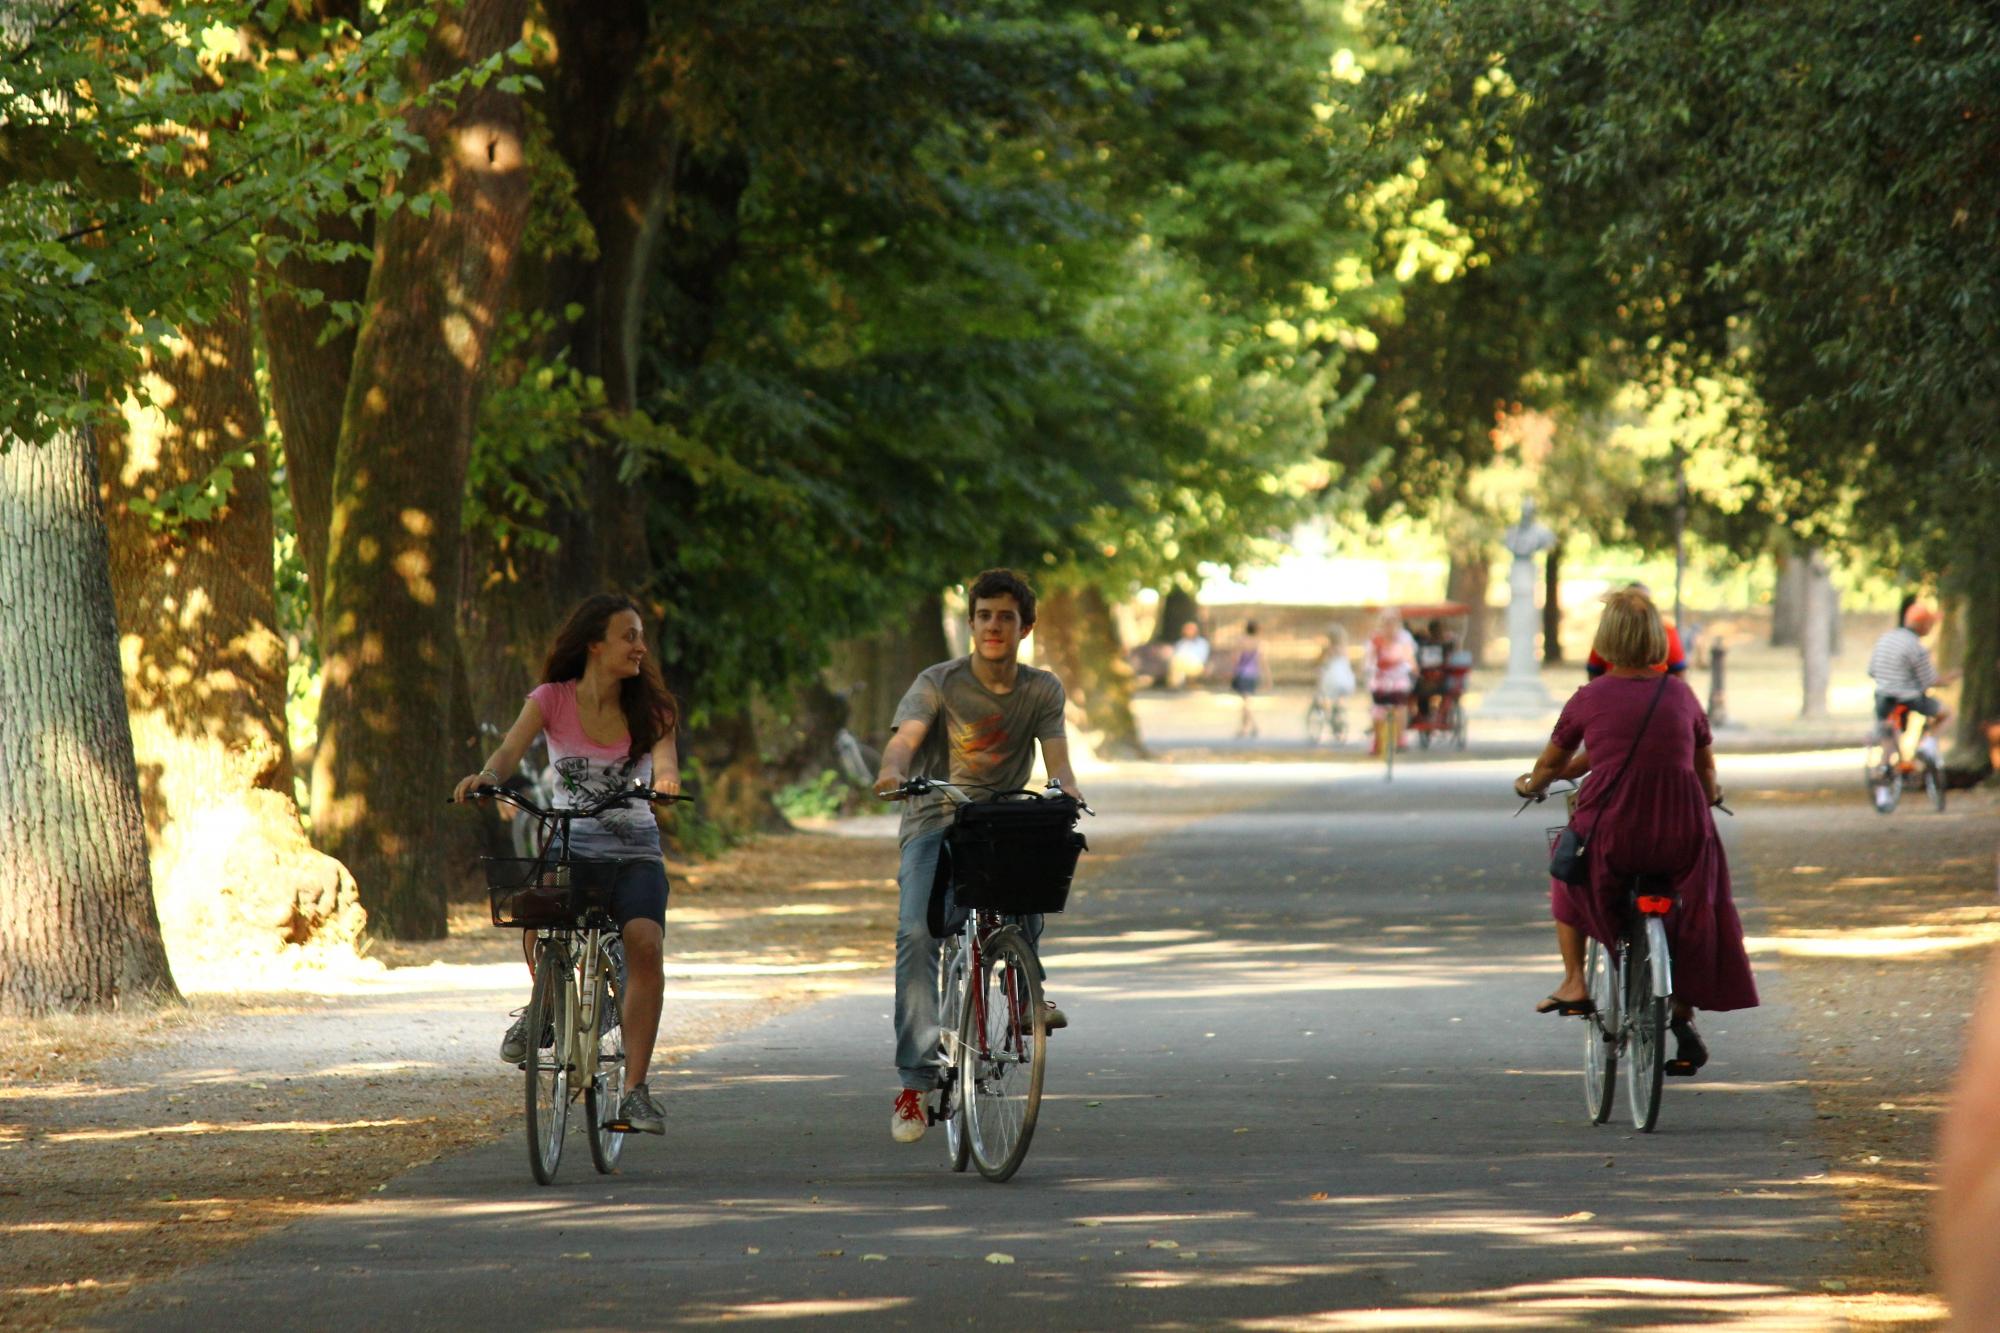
(1920, 703)
(634, 890)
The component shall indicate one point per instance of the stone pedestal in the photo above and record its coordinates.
(1520, 693)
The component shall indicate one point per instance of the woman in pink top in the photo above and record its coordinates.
(609, 722)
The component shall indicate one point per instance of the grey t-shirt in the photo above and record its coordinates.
(978, 740)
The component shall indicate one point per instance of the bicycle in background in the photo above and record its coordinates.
(1886, 771)
(575, 1043)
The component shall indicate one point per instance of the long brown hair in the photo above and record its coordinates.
(648, 707)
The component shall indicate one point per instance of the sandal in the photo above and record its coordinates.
(1567, 1008)
(1690, 1051)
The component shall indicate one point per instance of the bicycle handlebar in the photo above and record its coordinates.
(488, 791)
(920, 786)
(1553, 790)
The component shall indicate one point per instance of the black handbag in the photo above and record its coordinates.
(1568, 849)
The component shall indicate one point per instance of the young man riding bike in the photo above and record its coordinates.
(972, 722)
(1903, 673)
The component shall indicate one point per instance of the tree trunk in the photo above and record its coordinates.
(1077, 639)
(1552, 611)
(1975, 580)
(309, 381)
(1815, 637)
(205, 665)
(1467, 580)
(393, 557)
(876, 671)
(78, 930)
(1788, 600)
(1177, 608)
(309, 376)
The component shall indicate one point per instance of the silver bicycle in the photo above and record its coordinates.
(576, 1046)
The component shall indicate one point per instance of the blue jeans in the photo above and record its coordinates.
(918, 1059)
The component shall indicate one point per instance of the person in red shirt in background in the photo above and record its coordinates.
(1676, 655)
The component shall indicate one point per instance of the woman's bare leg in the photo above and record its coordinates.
(1570, 941)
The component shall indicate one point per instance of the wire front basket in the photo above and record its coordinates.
(528, 893)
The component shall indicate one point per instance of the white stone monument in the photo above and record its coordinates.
(1520, 692)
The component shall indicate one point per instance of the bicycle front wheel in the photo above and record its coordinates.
(600, 1099)
(1316, 723)
(1645, 1024)
(1600, 1033)
(1933, 782)
(551, 1016)
(1002, 1062)
(953, 1033)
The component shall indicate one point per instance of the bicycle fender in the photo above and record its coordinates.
(1657, 956)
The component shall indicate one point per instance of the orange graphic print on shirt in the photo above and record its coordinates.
(980, 746)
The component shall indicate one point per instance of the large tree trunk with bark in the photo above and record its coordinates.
(233, 872)
(78, 930)
(384, 758)
(1974, 584)
(1552, 611)
(309, 381)
(613, 140)
(310, 369)
(1467, 580)
(1076, 637)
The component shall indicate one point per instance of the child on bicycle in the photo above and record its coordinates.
(1333, 677)
(609, 722)
(973, 722)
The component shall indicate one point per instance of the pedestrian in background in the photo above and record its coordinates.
(1249, 675)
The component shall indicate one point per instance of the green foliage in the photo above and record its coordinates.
(1042, 288)
(535, 419)
(820, 797)
(148, 152)
(1798, 198)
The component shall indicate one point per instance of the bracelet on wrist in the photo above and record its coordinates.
(488, 773)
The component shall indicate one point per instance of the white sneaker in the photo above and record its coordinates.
(909, 1120)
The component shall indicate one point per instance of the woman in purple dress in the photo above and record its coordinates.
(1656, 821)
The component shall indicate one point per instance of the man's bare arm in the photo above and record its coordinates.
(897, 754)
(1055, 755)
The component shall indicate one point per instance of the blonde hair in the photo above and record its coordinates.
(1629, 633)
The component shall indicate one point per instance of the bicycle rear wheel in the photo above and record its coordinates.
(1600, 1033)
(1317, 723)
(1646, 1024)
(952, 1009)
(600, 1099)
(551, 1010)
(1002, 1063)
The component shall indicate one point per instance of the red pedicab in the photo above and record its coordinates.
(1437, 705)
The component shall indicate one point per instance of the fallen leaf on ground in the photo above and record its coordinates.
(998, 1258)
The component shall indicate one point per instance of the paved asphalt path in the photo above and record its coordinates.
(1302, 1088)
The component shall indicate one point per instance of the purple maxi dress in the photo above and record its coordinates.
(1657, 822)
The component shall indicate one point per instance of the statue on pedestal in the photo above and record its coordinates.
(1521, 692)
